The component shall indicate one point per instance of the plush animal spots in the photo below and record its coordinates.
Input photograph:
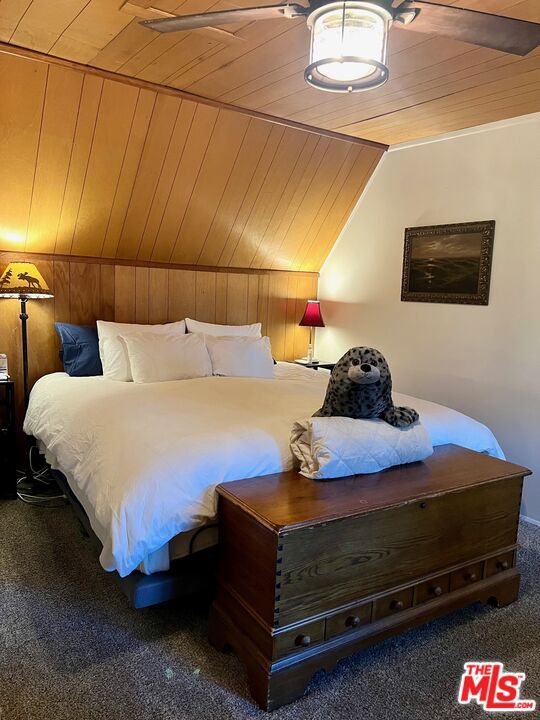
(360, 386)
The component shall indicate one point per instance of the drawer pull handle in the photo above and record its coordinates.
(303, 640)
(352, 621)
(470, 577)
(397, 605)
(437, 590)
(502, 565)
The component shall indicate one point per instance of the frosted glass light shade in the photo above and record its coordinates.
(348, 46)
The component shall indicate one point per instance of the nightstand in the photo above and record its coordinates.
(8, 470)
(316, 365)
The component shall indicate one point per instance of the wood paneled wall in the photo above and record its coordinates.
(85, 291)
(99, 168)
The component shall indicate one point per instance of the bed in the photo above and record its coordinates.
(143, 460)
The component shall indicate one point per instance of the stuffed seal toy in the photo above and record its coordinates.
(360, 386)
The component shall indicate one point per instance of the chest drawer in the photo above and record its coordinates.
(465, 576)
(338, 562)
(298, 639)
(348, 620)
(394, 603)
(501, 562)
(432, 589)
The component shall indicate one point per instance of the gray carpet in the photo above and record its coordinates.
(72, 649)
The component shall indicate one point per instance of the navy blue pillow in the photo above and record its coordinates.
(80, 349)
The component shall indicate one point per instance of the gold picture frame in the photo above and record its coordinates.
(448, 263)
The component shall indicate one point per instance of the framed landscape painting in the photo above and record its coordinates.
(448, 263)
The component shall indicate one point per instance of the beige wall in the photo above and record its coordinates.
(484, 361)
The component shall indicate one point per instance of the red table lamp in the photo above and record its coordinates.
(312, 318)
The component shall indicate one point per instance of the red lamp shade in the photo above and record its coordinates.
(312, 315)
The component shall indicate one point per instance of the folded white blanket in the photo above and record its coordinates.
(330, 447)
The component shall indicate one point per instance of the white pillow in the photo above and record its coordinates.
(194, 326)
(241, 356)
(156, 357)
(113, 351)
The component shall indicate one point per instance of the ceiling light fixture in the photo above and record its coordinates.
(348, 46)
(349, 38)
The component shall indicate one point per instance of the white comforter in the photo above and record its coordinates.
(144, 459)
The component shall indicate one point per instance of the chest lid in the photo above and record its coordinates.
(288, 500)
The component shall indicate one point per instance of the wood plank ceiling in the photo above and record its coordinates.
(436, 85)
(99, 168)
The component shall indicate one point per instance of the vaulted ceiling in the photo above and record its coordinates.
(436, 85)
(95, 167)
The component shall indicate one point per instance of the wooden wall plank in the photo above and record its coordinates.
(80, 155)
(154, 153)
(11, 13)
(274, 188)
(60, 113)
(100, 168)
(205, 297)
(199, 136)
(292, 199)
(182, 284)
(169, 171)
(85, 293)
(19, 142)
(128, 173)
(111, 135)
(44, 21)
(107, 292)
(62, 291)
(158, 296)
(142, 294)
(263, 302)
(223, 148)
(125, 294)
(237, 298)
(221, 298)
(277, 311)
(246, 163)
(253, 290)
(251, 195)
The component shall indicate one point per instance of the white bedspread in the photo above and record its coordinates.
(144, 459)
(331, 447)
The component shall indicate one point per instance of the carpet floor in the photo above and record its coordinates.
(72, 649)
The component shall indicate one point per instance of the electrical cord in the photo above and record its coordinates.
(44, 477)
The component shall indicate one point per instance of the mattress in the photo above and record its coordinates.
(144, 459)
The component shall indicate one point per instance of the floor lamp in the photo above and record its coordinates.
(22, 281)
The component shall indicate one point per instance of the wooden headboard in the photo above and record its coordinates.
(86, 290)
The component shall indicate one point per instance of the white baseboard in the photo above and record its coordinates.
(532, 521)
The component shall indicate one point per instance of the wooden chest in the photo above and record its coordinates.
(312, 571)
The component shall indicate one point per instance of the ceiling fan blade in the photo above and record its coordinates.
(518, 37)
(224, 17)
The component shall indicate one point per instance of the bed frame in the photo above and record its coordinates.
(194, 574)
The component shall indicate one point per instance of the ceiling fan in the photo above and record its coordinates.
(349, 37)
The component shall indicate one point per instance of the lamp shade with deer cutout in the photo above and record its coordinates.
(23, 279)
